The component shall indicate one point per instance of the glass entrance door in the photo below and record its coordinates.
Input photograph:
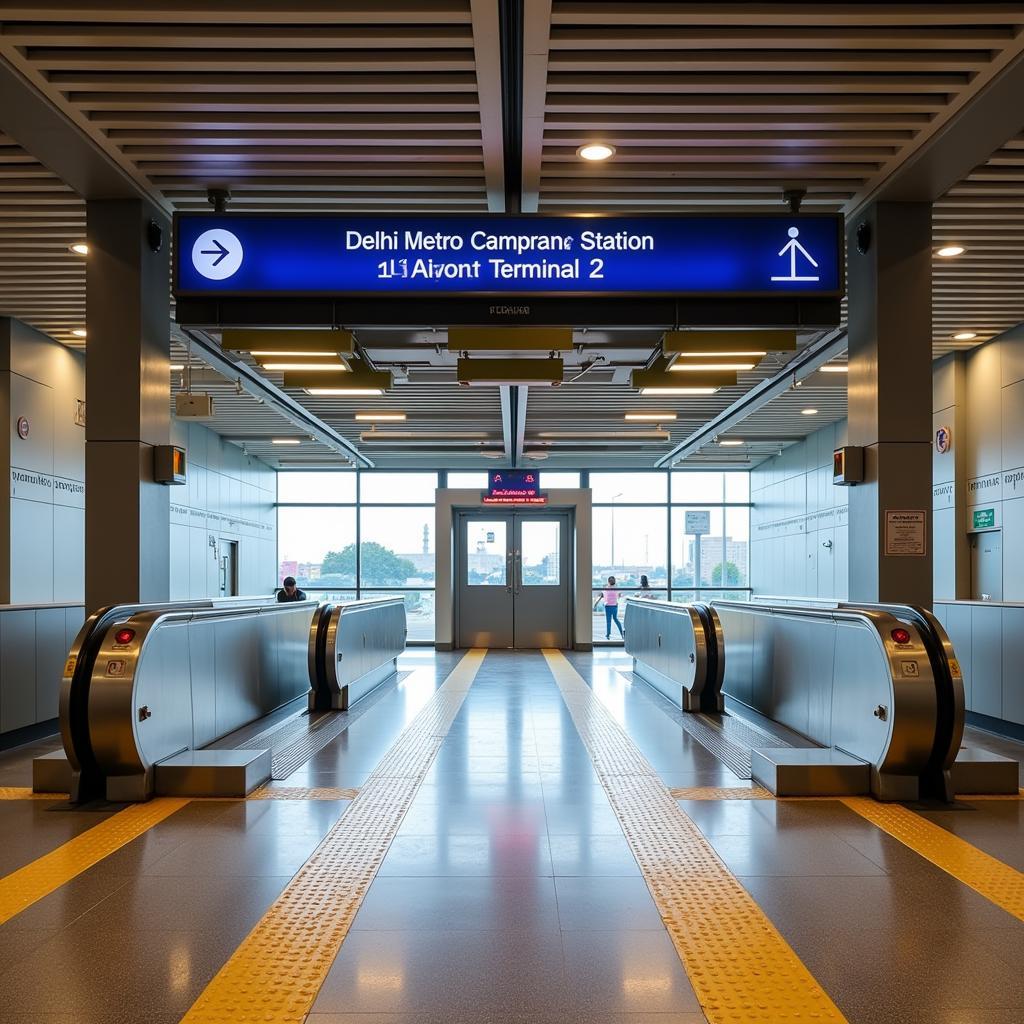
(514, 586)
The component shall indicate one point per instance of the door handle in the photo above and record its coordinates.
(517, 574)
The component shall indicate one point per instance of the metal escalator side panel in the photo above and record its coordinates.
(711, 697)
(667, 643)
(319, 693)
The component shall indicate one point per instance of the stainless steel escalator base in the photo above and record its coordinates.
(729, 738)
(224, 773)
(981, 771)
(809, 771)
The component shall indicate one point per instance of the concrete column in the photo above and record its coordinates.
(127, 514)
(890, 402)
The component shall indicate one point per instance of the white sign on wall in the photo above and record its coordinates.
(698, 522)
(906, 531)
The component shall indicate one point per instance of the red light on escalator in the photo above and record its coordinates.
(900, 636)
(124, 636)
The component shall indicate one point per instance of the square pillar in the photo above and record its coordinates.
(128, 385)
(890, 403)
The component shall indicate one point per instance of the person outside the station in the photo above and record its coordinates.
(289, 591)
(610, 596)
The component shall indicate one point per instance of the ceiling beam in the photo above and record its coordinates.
(35, 116)
(522, 392)
(507, 422)
(804, 363)
(487, 52)
(977, 121)
(536, 43)
(510, 22)
(260, 388)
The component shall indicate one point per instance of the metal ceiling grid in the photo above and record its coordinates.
(728, 104)
(41, 281)
(319, 105)
(982, 291)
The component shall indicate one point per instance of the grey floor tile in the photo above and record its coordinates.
(594, 904)
(496, 903)
(228, 854)
(492, 1017)
(471, 855)
(592, 856)
(626, 972)
(811, 853)
(446, 972)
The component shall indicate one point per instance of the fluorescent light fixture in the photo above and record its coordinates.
(808, 412)
(651, 417)
(596, 151)
(752, 354)
(175, 367)
(381, 417)
(950, 250)
(725, 343)
(314, 367)
(79, 248)
(360, 380)
(834, 368)
(965, 336)
(291, 341)
(730, 442)
(542, 372)
(79, 332)
(343, 391)
(698, 367)
(678, 391)
(264, 353)
(285, 440)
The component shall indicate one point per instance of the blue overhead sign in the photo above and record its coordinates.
(334, 254)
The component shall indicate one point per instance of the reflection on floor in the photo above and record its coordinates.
(509, 891)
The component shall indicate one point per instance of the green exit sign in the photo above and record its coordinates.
(983, 518)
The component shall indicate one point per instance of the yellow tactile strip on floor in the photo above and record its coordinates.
(302, 793)
(20, 889)
(25, 793)
(741, 968)
(721, 793)
(996, 881)
(275, 974)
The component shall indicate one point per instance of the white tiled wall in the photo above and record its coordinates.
(798, 522)
(229, 496)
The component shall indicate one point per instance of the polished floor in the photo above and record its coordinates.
(508, 891)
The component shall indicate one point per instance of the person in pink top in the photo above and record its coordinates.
(611, 609)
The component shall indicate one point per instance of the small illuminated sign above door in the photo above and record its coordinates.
(513, 487)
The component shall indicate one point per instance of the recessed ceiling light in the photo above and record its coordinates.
(79, 248)
(79, 332)
(317, 392)
(285, 440)
(964, 336)
(950, 250)
(698, 367)
(808, 412)
(381, 417)
(730, 443)
(651, 417)
(336, 367)
(596, 151)
(678, 391)
(835, 368)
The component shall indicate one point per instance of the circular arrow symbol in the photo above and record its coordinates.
(217, 254)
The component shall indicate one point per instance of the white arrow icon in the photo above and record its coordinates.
(217, 254)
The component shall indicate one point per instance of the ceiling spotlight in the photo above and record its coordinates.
(651, 417)
(79, 332)
(381, 417)
(950, 250)
(79, 248)
(286, 440)
(964, 336)
(730, 443)
(835, 368)
(596, 151)
(808, 412)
